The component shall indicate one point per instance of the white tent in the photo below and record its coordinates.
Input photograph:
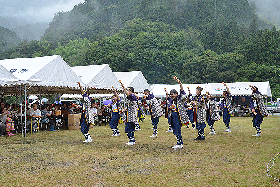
(239, 88)
(97, 76)
(6, 77)
(50, 73)
(216, 89)
(158, 89)
(134, 79)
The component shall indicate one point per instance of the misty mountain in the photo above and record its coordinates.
(97, 18)
(31, 31)
(30, 18)
(8, 39)
(268, 10)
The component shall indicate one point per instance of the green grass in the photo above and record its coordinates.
(61, 159)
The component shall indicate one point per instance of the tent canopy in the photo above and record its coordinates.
(134, 79)
(158, 89)
(239, 88)
(6, 77)
(42, 71)
(97, 76)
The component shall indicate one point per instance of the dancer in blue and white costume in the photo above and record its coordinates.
(226, 107)
(155, 110)
(131, 113)
(85, 120)
(258, 109)
(115, 106)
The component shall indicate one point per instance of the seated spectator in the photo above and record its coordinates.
(47, 118)
(2, 106)
(70, 108)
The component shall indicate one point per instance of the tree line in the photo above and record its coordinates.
(199, 41)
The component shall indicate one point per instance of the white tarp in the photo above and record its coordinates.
(158, 89)
(79, 96)
(239, 88)
(216, 89)
(134, 79)
(44, 71)
(6, 77)
(97, 76)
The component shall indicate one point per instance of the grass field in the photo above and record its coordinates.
(61, 159)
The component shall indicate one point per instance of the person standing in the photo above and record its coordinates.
(258, 109)
(131, 113)
(115, 114)
(226, 107)
(167, 112)
(85, 120)
(212, 113)
(155, 110)
(9, 124)
(178, 113)
(199, 104)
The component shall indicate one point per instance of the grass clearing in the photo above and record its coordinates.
(60, 158)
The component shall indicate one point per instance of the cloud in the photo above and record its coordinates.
(35, 10)
(268, 9)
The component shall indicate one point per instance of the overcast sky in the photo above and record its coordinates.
(43, 10)
(35, 10)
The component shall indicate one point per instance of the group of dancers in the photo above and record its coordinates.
(181, 108)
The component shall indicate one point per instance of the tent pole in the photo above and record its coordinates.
(25, 121)
(21, 111)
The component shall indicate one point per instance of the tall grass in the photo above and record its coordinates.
(60, 158)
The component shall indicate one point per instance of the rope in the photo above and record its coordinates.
(269, 166)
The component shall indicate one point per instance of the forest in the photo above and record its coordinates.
(199, 41)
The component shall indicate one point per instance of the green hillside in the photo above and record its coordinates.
(199, 41)
(8, 39)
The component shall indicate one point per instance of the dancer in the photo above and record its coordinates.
(167, 113)
(178, 112)
(155, 110)
(115, 114)
(226, 107)
(85, 120)
(199, 113)
(190, 109)
(258, 109)
(131, 113)
(139, 113)
(212, 113)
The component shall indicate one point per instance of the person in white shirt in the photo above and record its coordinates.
(35, 113)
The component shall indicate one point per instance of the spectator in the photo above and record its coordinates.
(93, 112)
(46, 117)
(9, 124)
(2, 107)
(35, 113)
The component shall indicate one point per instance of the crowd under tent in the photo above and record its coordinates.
(97, 76)
(134, 79)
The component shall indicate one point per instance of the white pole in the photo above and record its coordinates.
(25, 121)
(21, 111)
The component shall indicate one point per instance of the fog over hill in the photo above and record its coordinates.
(21, 15)
(268, 10)
(32, 16)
